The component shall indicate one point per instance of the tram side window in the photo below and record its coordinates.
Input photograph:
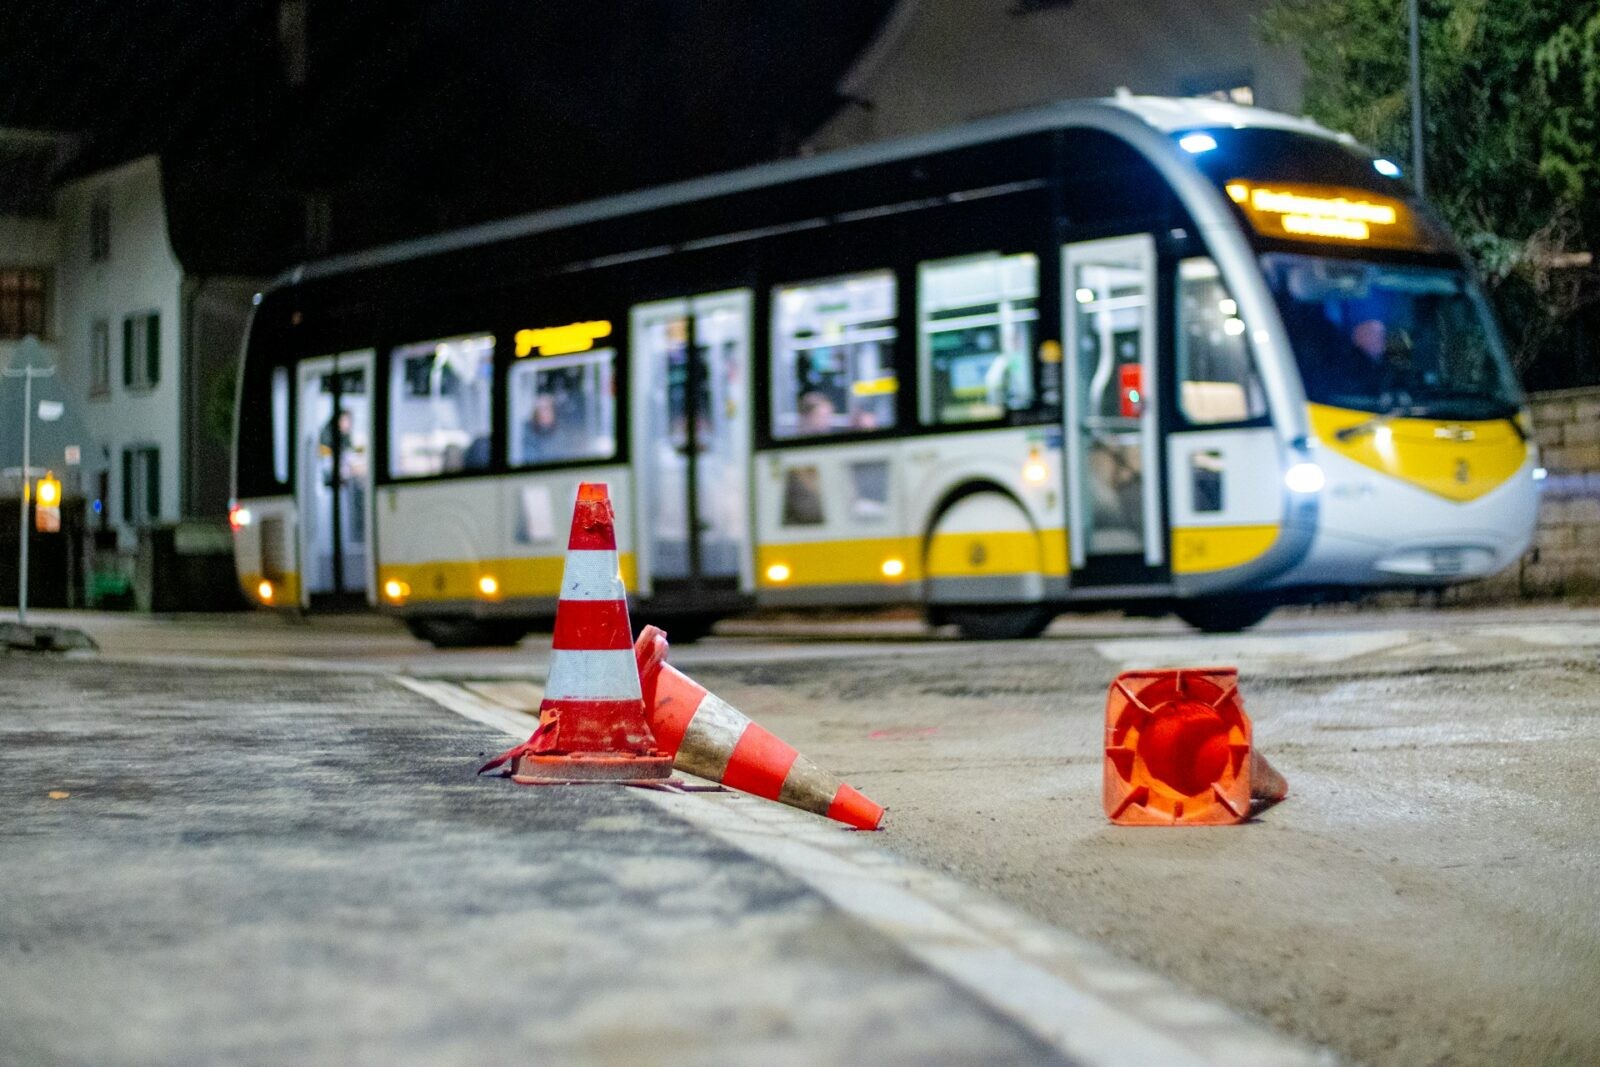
(439, 406)
(976, 318)
(562, 408)
(1216, 369)
(280, 425)
(833, 356)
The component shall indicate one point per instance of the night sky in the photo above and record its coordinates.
(416, 116)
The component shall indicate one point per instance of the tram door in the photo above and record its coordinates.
(1112, 432)
(335, 447)
(691, 443)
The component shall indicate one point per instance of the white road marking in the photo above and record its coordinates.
(1070, 993)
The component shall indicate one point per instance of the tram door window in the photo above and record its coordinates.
(691, 432)
(335, 444)
(1112, 432)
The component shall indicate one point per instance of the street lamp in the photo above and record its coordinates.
(1416, 97)
(27, 352)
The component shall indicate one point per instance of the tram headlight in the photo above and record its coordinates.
(1305, 477)
(489, 585)
(779, 572)
(396, 590)
(239, 517)
(265, 591)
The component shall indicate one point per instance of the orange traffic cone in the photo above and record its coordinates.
(709, 737)
(592, 725)
(1178, 750)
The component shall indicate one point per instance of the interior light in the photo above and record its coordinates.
(1238, 192)
(1228, 307)
(488, 585)
(893, 568)
(1305, 477)
(239, 517)
(265, 591)
(1195, 143)
(1233, 327)
(778, 572)
(1540, 474)
(1085, 296)
(1386, 167)
(1035, 469)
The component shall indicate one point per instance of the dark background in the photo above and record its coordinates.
(295, 128)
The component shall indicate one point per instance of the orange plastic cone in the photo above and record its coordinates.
(1178, 750)
(711, 738)
(592, 724)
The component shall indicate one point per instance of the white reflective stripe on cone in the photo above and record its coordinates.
(583, 674)
(591, 574)
(710, 737)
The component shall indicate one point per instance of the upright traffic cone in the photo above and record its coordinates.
(592, 724)
(709, 737)
(1179, 752)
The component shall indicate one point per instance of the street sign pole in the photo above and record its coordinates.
(1416, 98)
(27, 372)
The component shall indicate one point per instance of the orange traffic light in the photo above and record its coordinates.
(47, 504)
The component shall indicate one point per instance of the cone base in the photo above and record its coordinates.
(580, 769)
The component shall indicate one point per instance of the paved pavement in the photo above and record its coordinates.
(1426, 896)
(234, 866)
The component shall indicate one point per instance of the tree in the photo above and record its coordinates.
(1510, 89)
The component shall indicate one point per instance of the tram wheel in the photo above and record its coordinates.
(1010, 623)
(1226, 615)
(468, 633)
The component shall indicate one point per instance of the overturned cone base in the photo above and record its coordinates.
(711, 738)
(1179, 751)
(580, 767)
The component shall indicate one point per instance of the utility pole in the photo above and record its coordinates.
(1416, 97)
(27, 372)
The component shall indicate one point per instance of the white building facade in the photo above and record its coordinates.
(147, 353)
(119, 311)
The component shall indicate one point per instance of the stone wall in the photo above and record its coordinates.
(1565, 559)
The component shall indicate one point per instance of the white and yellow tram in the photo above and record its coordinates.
(1149, 353)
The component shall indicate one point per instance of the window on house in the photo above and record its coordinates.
(100, 229)
(833, 365)
(976, 317)
(100, 358)
(439, 394)
(141, 350)
(141, 485)
(21, 302)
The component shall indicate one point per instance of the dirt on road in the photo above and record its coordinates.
(1429, 894)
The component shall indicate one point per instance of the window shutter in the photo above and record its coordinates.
(152, 350)
(152, 482)
(129, 490)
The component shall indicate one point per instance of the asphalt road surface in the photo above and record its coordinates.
(1429, 893)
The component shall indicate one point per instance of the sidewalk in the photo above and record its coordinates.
(277, 869)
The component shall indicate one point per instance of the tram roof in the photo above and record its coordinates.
(1164, 114)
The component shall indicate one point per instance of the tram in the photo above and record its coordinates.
(1141, 353)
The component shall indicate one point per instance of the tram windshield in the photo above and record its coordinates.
(1391, 339)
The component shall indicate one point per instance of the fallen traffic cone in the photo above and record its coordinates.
(592, 725)
(711, 738)
(1178, 750)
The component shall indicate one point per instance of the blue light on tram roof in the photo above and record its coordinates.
(1195, 143)
(1386, 167)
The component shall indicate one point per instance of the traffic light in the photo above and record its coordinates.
(47, 504)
